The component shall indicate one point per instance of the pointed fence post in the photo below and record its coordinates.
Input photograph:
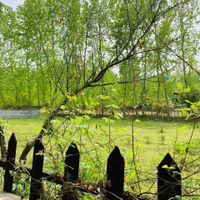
(115, 175)
(11, 154)
(72, 159)
(169, 179)
(36, 188)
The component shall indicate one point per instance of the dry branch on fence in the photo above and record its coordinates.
(2, 143)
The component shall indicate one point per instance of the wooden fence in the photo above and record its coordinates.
(169, 175)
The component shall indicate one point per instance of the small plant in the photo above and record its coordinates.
(161, 130)
(162, 139)
(147, 140)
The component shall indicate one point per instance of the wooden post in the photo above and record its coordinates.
(36, 188)
(115, 175)
(11, 154)
(169, 179)
(72, 159)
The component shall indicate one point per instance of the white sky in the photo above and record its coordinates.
(12, 3)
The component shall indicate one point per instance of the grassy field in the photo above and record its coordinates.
(96, 138)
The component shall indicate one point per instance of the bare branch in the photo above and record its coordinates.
(113, 62)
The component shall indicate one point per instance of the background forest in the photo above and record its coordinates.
(49, 49)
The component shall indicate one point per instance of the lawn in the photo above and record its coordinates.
(96, 138)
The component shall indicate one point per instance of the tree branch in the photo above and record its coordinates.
(113, 62)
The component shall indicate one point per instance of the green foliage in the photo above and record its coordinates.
(50, 49)
(92, 138)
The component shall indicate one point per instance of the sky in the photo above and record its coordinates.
(12, 3)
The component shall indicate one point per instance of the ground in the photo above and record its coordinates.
(96, 138)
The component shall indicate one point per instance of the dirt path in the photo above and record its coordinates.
(23, 113)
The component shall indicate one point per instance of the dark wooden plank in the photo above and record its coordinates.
(50, 177)
(115, 175)
(72, 159)
(11, 154)
(169, 179)
(36, 188)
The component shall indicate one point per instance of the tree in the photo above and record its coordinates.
(92, 48)
(53, 51)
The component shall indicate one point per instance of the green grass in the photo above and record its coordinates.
(24, 129)
(153, 139)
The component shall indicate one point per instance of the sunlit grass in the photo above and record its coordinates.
(96, 138)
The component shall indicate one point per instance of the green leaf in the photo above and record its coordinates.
(72, 98)
(165, 166)
(40, 153)
(179, 86)
(103, 97)
(168, 167)
(112, 106)
(187, 90)
(86, 117)
(63, 107)
(43, 110)
(187, 101)
(106, 119)
(118, 116)
(137, 121)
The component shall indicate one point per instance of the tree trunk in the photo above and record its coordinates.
(2, 144)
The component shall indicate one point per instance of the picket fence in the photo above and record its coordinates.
(168, 176)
